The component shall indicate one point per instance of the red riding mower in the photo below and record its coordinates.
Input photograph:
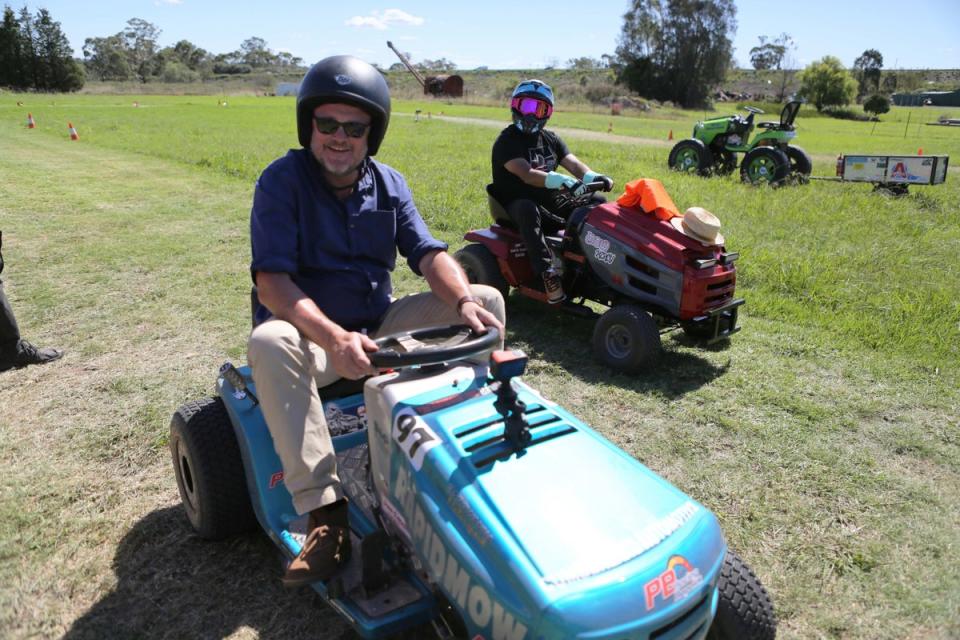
(652, 276)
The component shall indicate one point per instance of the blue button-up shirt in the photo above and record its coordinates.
(340, 253)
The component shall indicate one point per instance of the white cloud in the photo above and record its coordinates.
(383, 20)
(163, 2)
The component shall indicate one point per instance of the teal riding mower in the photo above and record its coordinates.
(768, 159)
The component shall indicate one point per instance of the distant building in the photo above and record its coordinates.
(287, 88)
(932, 98)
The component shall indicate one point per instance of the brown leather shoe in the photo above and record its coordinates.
(326, 548)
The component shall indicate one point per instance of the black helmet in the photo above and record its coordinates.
(349, 80)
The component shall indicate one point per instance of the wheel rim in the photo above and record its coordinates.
(761, 168)
(186, 477)
(618, 342)
(687, 159)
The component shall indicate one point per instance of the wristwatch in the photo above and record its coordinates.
(465, 299)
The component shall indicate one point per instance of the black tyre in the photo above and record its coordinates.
(481, 267)
(724, 162)
(764, 165)
(744, 611)
(801, 166)
(626, 338)
(690, 156)
(209, 471)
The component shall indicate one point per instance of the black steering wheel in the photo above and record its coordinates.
(584, 198)
(431, 346)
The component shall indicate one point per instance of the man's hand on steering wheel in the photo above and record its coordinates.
(348, 355)
(593, 176)
(478, 318)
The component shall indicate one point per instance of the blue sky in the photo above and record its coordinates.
(508, 35)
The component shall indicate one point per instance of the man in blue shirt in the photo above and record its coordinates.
(326, 224)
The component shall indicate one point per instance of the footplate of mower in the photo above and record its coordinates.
(718, 324)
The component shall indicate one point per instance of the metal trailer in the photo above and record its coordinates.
(893, 173)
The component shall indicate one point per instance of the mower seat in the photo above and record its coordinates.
(502, 218)
(787, 116)
(497, 212)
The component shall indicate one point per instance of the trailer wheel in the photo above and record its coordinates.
(800, 164)
(744, 610)
(481, 267)
(626, 338)
(690, 156)
(209, 471)
(764, 165)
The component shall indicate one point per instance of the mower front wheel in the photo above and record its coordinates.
(209, 471)
(744, 609)
(481, 267)
(626, 338)
(690, 156)
(764, 165)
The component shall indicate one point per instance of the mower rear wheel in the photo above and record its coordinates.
(764, 165)
(481, 267)
(690, 156)
(801, 166)
(744, 610)
(724, 162)
(626, 338)
(209, 471)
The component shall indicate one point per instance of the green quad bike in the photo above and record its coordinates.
(768, 159)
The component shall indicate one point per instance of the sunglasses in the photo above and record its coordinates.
(532, 107)
(329, 126)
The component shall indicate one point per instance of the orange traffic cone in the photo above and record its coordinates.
(73, 132)
(670, 135)
(920, 151)
(30, 123)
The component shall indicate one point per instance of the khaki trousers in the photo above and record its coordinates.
(287, 369)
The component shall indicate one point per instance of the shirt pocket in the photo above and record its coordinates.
(374, 234)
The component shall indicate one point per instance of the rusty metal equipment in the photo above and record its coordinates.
(451, 85)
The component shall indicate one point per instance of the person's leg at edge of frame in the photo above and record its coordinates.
(287, 370)
(526, 216)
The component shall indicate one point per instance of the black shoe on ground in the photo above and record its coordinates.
(29, 354)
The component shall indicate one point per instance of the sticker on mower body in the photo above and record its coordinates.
(676, 582)
(414, 437)
(601, 246)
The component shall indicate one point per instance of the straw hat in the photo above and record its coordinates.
(699, 224)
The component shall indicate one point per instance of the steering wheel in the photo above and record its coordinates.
(431, 346)
(584, 198)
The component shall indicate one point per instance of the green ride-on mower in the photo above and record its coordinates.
(769, 158)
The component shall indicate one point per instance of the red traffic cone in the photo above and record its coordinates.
(920, 151)
(73, 132)
(670, 135)
(30, 123)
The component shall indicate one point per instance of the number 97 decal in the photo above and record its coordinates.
(414, 437)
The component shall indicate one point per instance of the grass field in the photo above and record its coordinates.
(825, 435)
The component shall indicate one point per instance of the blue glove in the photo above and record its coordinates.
(557, 180)
(593, 176)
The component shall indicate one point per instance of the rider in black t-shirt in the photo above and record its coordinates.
(525, 159)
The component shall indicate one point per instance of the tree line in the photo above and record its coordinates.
(668, 50)
(35, 55)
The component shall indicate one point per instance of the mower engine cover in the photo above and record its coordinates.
(647, 259)
(569, 537)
